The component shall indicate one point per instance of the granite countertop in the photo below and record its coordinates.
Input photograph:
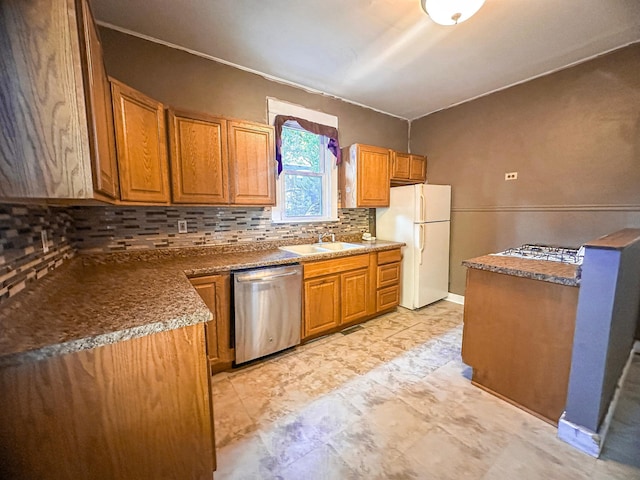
(545, 270)
(102, 299)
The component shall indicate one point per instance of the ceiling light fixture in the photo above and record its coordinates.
(451, 12)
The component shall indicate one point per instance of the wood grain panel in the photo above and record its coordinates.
(336, 265)
(387, 298)
(199, 158)
(364, 177)
(252, 163)
(518, 337)
(44, 148)
(389, 256)
(135, 409)
(388, 275)
(215, 292)
(99, 108)
(374, 178)
(418, 168)
(141, 145)
(400, 166)
(354, 291)
(321, 305)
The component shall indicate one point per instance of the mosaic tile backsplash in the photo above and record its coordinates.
(22, 258)
(110, 229)
(105, 229)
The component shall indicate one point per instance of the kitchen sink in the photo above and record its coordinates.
(316, 248)
(336, 246)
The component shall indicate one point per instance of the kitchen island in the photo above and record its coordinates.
(103, 364)
(519, 318)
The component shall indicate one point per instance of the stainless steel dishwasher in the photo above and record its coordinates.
(268, 310)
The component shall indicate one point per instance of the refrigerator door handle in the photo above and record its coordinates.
(422, 205)
(421, 242)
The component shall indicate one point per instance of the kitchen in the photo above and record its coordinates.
(532, 131)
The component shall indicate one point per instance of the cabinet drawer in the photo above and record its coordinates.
(387, 298)
(388, 275)
(389, 256)
(337, 265)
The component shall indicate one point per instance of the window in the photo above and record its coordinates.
(303, 181)
(307, 187)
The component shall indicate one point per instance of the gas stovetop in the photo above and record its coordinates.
(542, 252)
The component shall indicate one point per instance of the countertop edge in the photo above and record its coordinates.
(101, 340)
(478, 264)
(201, 315)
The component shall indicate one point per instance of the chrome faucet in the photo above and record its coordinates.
(322, 235)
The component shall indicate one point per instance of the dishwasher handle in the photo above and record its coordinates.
(254, 278)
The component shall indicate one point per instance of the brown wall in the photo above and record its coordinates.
(186, 81)
(572, 136)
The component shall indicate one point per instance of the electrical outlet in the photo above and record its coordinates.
(511, 176)
(45, 242)
(182, 226)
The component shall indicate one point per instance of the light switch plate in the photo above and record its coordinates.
(182, 226)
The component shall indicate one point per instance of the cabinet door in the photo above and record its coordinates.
(140, 145)
(44, 148)
(102, 141)
(373, 176)
(321, 304)
(418, 168)
(354, 295)
(214, 290)
(252, 163)
(400, 166)
(198, 155)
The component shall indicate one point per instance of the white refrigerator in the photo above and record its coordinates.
(419, 215)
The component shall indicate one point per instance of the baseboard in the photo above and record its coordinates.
(455, 298)
(579, 437)
(584, 439)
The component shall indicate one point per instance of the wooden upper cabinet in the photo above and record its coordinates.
(45, 148)
(199, 160)
(400, 166)
(99, 108)
(141, 145)
(252, 166)
(408, 169)
(418, 169)
(364, 176)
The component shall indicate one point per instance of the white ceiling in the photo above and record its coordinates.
(385, 54)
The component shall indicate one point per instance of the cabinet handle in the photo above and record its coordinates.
(421, 242)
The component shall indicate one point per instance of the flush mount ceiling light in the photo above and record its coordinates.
(451, 12)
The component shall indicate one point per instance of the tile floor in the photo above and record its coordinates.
(392, 400)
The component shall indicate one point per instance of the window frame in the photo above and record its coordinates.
(330, 175)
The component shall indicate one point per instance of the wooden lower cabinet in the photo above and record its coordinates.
(388, 280)
(321, 305)
(215, 292)
(354, 295)
(348, 290)
(138, 408)
(387, 298)
(518, 337)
